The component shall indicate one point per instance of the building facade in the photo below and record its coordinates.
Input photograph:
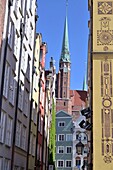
(16, 62)
(64, 140)
(101, 91)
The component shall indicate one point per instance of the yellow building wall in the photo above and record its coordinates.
(102, 84)
(102, 112)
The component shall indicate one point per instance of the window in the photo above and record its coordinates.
(12, 89)
(60, 163)
(28, 69)
(26, 102)
(61, 137)
(23, 59)
(26, 26)
(9, 131)
(61, 124)
(2, 126)
(39, 123)
(41, 130)
(16, 167)
(6, 164)
(20, 102)
(11, 34)
(77, 136)
(30, 35)
(64, 103)
(23, 137)
(30, 147)
(78, 162)
(6, 80)
(16, 9)
(85, 162)
(16, 44)
(69, 137)
(68, 149)
(1, 163)
(18, 133)
(60, 149)
(33, 145)
(68, 164)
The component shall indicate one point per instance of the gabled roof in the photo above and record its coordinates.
(62, 113)
(78, 97)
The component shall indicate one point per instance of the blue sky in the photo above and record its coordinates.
(51, 24)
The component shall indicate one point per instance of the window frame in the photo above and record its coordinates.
(69, 138)
(59, 137)
(67, 148)
(66, 163)
(61, 123)
(59, 149)
(58, 163)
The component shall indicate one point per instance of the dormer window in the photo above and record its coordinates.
(61, 124)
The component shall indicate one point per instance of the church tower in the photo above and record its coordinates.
(63, 76)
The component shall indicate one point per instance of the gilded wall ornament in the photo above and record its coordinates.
(106, 111)
(105, 35)
(105, 7)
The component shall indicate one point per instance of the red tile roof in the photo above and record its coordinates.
(78, 97)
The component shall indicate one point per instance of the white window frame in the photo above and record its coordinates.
(61, 137)
(58, 162)
(8, 135)
(6, 80)
(69, 138)
(12, 89)
(18, 133)
(66, 163)
(6, 164)
(67, 148)
(61, 122)
(60, 148)
(23, 144)
(20, 101)
(11, 34)
(26, 102)
(2, 126)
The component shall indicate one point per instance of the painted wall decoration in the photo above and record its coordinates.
(105, 7)
(107, 111)
(105, 35)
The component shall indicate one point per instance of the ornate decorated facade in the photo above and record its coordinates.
(101, 82)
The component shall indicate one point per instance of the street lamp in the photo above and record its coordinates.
(85, 164)
(79, 148)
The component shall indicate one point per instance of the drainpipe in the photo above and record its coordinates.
(5, 56)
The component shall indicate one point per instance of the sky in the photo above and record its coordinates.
(51, 24)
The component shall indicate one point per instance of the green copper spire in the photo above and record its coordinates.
(65, 55)
(85, 83)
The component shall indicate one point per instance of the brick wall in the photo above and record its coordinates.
(2, 14)
(65, 105)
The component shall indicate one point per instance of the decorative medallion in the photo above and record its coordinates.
(106, 111)
(105, 48)
(107, 103)
(105, 35)
(105, 7)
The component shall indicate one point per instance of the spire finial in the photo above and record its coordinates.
(66, 6)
